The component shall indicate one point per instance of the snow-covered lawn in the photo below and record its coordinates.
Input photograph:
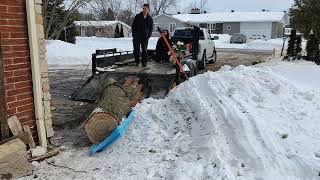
(59, 52)
(259, 122)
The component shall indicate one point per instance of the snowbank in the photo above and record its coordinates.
(259, 122)
(224, 42)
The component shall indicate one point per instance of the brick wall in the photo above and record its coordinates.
(16, 61)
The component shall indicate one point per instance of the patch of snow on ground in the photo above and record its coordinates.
(62, 53)
(259, 122)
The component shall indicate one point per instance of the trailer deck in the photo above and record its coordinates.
(157, 78)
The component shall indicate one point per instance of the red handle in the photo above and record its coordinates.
(173, 53)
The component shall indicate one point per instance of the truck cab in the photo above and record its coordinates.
(205, 46)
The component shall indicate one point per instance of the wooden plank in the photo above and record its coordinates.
(16, 145)
(4, 130)
(31, 143)
(14, 125)
(13, 162)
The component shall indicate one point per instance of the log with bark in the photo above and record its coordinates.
(115, 104)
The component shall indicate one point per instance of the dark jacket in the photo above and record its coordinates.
(142, 27)
(161, 45)
(162, 50)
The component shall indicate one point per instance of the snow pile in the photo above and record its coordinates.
(269, 45)
(258, 122)
(62, 53)
(224, 43)
(223, 38)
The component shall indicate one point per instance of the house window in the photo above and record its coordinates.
(212, 28)
(229, 27)
(83, 31)
(155, 27)
(172, 27)
(98, 31)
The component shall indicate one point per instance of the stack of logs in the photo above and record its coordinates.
(115, 104)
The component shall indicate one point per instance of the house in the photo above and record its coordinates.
(269, 24)
(101, 28)
(167, 22)
(24, 82)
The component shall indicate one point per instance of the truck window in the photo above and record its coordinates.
(187, 33)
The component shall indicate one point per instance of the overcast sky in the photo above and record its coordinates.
(237, 5)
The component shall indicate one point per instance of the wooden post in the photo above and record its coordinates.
(4, 130)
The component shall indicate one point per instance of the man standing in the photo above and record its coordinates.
(142, 28)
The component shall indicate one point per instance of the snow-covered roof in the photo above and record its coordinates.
(99, 23)
(232, 17)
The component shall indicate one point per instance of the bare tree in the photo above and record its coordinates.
(107, 6)
(159, 6)
(57, 14)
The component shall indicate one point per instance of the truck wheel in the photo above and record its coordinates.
(202, 65)
(214, 57)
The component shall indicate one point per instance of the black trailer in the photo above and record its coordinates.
(157, 78)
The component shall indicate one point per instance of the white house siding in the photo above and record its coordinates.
(164, 22)
(257, 28)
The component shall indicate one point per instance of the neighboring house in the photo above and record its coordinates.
(166, 22)
(100, 28)
(24, 82)
(269, 24)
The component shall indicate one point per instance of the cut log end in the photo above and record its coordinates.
(99, 126)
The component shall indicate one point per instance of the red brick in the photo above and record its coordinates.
(30, 121)
(25, 107)
(3, 8)
(22, 72)
(11, 16)
(21, 54)
(13, 2)
(20, 48)
(27, 95)
(11, 99)
(21, 60)
(5, 35)
(16, 9)
(3, 22)
(19, 91)
(13, 67)
(23, 84)
(25, 102)
(12, 105)
(8, 74)
(12, 28)
(17, 79)
(7, 61)
(15, 41)
(9, 87)
(19, 35)
(28, 113)
(11, 112)
(15, 22)
(6, 48)
(7, 54)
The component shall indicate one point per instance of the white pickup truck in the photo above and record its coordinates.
(206, 51)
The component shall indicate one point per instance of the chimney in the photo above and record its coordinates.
(205, 12)
(232, 11)
(179, 12)
(263, 10)
(195, 11)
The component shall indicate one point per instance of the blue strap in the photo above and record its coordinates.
(115, 135)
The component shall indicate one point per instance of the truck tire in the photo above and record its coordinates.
(214, 58)
(202, 63)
